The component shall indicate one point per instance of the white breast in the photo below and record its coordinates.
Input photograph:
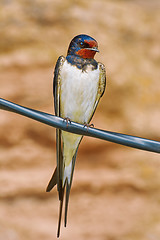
(78, 92)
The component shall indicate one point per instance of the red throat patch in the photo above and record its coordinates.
(86, 53)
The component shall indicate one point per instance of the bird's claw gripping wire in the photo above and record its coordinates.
(68, 120)
(88, 125)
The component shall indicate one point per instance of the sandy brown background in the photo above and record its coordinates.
(116, 190)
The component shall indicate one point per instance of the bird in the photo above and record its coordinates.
(78, 84)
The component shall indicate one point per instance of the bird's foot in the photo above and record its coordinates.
(88, 125)
(68, 120)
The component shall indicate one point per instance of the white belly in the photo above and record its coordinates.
(78, 92)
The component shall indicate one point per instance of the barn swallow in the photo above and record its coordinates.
(79, 83)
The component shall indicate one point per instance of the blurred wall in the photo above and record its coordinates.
(33, 35)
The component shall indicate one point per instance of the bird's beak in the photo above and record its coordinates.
(93, 49)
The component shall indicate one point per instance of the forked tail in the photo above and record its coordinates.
(63, 186)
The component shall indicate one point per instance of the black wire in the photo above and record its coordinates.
(57, 122)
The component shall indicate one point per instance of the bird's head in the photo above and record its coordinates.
(83, 46)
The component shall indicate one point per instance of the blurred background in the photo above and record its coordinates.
(116, 189)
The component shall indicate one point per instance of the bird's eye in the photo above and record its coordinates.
(81, 44)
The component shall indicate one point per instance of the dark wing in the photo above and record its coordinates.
(56, 93)
(57, 175)
(101, 87)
